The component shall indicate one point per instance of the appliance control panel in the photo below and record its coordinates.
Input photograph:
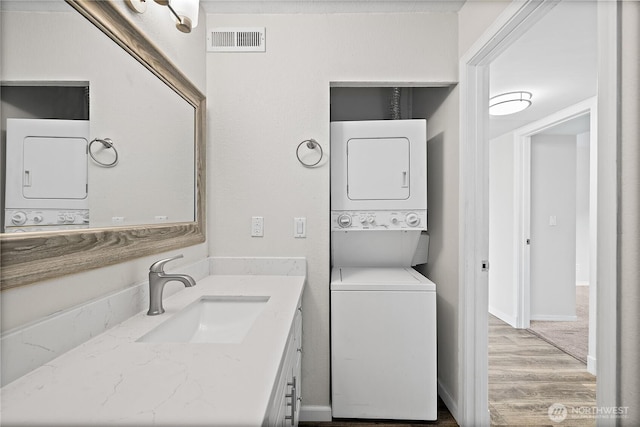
(379, 220)
(20, 218)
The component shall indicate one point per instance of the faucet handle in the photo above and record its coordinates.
(158, 266)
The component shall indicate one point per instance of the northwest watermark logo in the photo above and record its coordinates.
(557, 412)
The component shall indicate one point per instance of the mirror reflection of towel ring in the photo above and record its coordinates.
(108, 144)
(311, 144)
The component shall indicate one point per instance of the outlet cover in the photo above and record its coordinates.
(257, 226)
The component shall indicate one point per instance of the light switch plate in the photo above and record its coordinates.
(300, 227)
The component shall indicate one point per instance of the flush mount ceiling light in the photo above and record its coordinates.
(184, 12)
(509, 103)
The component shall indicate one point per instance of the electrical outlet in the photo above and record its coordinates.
(257, 226)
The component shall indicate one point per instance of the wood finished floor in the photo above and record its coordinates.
(526, 376)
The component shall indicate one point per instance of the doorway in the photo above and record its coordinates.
(514, 22)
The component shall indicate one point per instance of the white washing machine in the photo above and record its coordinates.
(383, 312)
(383, 344)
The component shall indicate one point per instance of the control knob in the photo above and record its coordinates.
(37, 219)
(344, 220)
(412, 219)
(19, 218)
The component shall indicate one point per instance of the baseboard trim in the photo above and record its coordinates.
(451, 404)
(315, 413)
(554, 317)
(511, 320)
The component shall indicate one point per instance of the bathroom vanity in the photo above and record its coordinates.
(142, 372)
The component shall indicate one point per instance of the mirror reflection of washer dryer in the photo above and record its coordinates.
(46, 175)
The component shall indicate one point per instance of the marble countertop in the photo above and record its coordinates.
(114, 380)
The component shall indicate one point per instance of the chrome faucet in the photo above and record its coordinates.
(158, 278)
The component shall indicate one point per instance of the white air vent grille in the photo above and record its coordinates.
(236, 40)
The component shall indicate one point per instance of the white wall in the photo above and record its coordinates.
(30, 303)
(261, 105)
(474, 18)
(442, 200)
(582, 208)
(502, 284)
(553, 194)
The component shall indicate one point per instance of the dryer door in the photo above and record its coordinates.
(55, 168)
(378, 169)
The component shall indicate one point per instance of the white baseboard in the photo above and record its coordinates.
(591, 365)
(315, 413)
(554, 317)
(451, 404)
(511, 320)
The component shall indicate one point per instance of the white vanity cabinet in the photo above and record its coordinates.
(284, 406)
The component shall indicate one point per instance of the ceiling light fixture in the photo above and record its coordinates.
(509, 103)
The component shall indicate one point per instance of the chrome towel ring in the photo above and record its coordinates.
(311, 144)
(108, 144)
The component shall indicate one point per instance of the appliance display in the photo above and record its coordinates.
(46, 175)
(383, 312)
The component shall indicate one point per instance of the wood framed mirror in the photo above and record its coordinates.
(32, 257)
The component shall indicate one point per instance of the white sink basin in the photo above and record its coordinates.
(211, 319)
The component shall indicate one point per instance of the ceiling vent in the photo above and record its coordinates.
(235, 39)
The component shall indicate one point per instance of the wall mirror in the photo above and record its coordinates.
(34, 256)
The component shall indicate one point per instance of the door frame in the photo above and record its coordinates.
(473, 204)
(522, 223)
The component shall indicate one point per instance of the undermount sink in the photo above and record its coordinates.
(210, 319)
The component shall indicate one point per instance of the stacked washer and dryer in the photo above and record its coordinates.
(383, 312)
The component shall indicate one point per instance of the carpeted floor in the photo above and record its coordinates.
(570, 337)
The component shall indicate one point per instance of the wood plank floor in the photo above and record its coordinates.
(526, 376)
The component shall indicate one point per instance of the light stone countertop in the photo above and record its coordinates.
(114, 380)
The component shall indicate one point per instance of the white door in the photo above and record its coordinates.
(55, 168)
(378, 169)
